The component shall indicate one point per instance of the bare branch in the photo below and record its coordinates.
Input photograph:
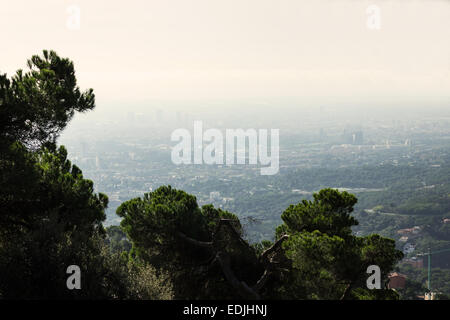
(203, 244)
(262, 281)
(274, 247)
(347, 290)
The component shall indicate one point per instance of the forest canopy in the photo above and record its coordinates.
(167, 246)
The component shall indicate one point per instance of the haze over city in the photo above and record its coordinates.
(340, 110)
(316, 51)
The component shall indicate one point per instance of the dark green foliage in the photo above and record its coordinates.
(329, 212)
(167, 246)
(117, 240)
(321, 258)
(440, 280)
(412, 290)
(327, 260)
(50, 217)
(36, 105)
(171, 232)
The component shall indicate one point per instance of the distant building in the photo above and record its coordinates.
(357, 138)
(414, 230)
(214, 196)
(414, 262)
(353, 137)
(225, 200)
(408, 143)
(430, 296)
(396, 280)
(408, 248)
(446, 220)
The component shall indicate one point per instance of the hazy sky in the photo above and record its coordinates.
(237, 49)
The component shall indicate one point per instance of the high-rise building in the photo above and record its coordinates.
(357, 138)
